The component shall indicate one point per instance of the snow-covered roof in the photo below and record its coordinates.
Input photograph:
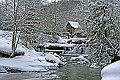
(74, 24)
(57, 44)
(77, 39)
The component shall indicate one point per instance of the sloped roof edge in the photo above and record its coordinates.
(74, 24)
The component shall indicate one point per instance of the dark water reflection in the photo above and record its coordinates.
(68, 72)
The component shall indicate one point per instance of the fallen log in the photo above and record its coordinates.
(4, 54)
(7, 54)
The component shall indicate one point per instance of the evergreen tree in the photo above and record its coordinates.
(103, 31)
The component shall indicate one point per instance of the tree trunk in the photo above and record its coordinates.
(14, 31)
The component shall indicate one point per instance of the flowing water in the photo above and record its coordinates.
(68, 72)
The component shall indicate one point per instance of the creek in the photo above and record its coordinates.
(68, 72)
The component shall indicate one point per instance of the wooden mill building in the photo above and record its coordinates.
(72, 27)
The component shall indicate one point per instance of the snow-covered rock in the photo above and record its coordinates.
(111, 72)
(61, 40)
(54, 59)
(73, 51)
(2, 70)
(79, 59)
(94, 65)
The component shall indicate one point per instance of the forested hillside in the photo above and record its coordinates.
(99, 19)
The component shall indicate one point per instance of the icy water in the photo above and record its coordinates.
(78, 72)
(68, 72)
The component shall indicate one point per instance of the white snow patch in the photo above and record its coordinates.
(6, 42)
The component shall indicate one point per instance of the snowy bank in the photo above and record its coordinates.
(30, 61)
(111, 72)
(11, 63)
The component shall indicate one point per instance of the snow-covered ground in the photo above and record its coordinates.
(30, 61)
(111, 72)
